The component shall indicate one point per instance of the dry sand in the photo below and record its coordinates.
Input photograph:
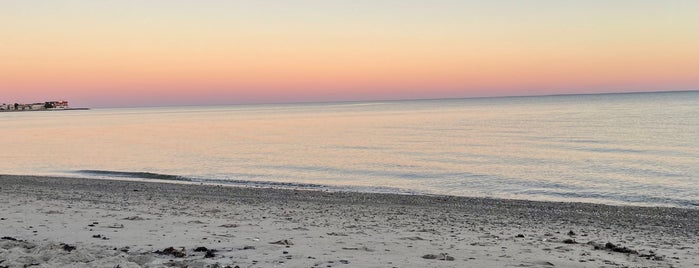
(68, 222)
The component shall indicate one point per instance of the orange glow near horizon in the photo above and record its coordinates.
(175, 52)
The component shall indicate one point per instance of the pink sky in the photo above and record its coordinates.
(131, 53)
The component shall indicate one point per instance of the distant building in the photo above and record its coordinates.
(59, 104)
(36, 106)
(49, 105)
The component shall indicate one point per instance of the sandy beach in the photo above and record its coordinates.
(71, 222)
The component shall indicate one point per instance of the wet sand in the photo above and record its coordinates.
(59, 222)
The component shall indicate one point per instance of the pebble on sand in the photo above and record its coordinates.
(440, 256)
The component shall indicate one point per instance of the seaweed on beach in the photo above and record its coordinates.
(609, 246)
(172, 251)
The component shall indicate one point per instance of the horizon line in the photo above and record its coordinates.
(407, 99)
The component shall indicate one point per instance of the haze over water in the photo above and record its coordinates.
(638, 149)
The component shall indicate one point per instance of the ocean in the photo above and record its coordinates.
(623, 149)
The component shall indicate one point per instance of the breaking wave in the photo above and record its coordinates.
(149, 176)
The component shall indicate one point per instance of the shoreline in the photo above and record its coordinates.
(321, 229)
(148, 177)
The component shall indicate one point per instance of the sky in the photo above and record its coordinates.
(121, 53)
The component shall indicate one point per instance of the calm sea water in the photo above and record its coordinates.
(639, 149)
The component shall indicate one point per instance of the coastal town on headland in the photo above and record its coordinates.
(39, 106)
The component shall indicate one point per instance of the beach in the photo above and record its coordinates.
(331, 134)
(74, 222)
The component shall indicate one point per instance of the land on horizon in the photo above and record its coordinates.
(38, 106)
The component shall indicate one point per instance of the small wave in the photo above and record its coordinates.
(167, 177)
(616, 197)
(613, 150)
(268, 184)
(135, 175)
(108, 174)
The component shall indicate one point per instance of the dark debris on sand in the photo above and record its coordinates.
(609, 246)
(210, 253)
(68, 248)
(201, 249)
(172, 251)
(621, 249)
(569, 241)
(440, 257)
(618, 248)
(285, 242)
